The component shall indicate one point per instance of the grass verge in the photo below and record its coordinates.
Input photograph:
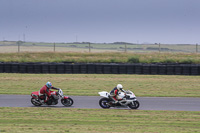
(97, 120)
(91, 84)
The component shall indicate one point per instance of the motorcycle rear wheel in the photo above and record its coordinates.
(67, 102)
(104, 103)
(134, 105)
(35, 103)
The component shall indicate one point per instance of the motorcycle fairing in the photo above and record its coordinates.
(35, 94)
(104, 94)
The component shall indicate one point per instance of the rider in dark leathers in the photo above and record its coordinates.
(114, 92)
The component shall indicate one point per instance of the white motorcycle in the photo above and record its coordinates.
(126, 98)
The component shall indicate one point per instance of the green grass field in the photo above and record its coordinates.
(91, 84)
(61, 120)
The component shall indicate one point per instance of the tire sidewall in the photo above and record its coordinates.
(134, 107)
(35, 104)
(67, 105)
(104, 99)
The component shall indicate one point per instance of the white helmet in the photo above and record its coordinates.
(119, 86)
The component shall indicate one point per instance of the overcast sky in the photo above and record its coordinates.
(135, 21)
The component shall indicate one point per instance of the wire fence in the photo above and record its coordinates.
(19, 46)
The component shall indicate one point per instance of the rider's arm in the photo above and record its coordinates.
(122, 90)
(116, 92)
(55, 88)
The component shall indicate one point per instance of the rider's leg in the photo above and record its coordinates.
(46, 98)
(113, 97)
(40, 95)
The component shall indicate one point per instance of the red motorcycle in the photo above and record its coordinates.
(53, 99)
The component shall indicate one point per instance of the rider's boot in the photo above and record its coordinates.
(116, 102)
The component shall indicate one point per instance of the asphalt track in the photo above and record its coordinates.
(92, 102)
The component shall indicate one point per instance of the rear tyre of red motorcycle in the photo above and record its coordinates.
(67, 102)
(103, 102)
(34, 102)
(134, 105)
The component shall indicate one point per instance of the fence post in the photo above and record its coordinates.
(159, 47)
(18, 42)
(125, 48)
(18, 47)
(89, 48)
(54, 47)
(197, 48)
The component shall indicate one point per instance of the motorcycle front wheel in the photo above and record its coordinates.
(104, 103)
(134, 105)
(67, 102)
(34, 102)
